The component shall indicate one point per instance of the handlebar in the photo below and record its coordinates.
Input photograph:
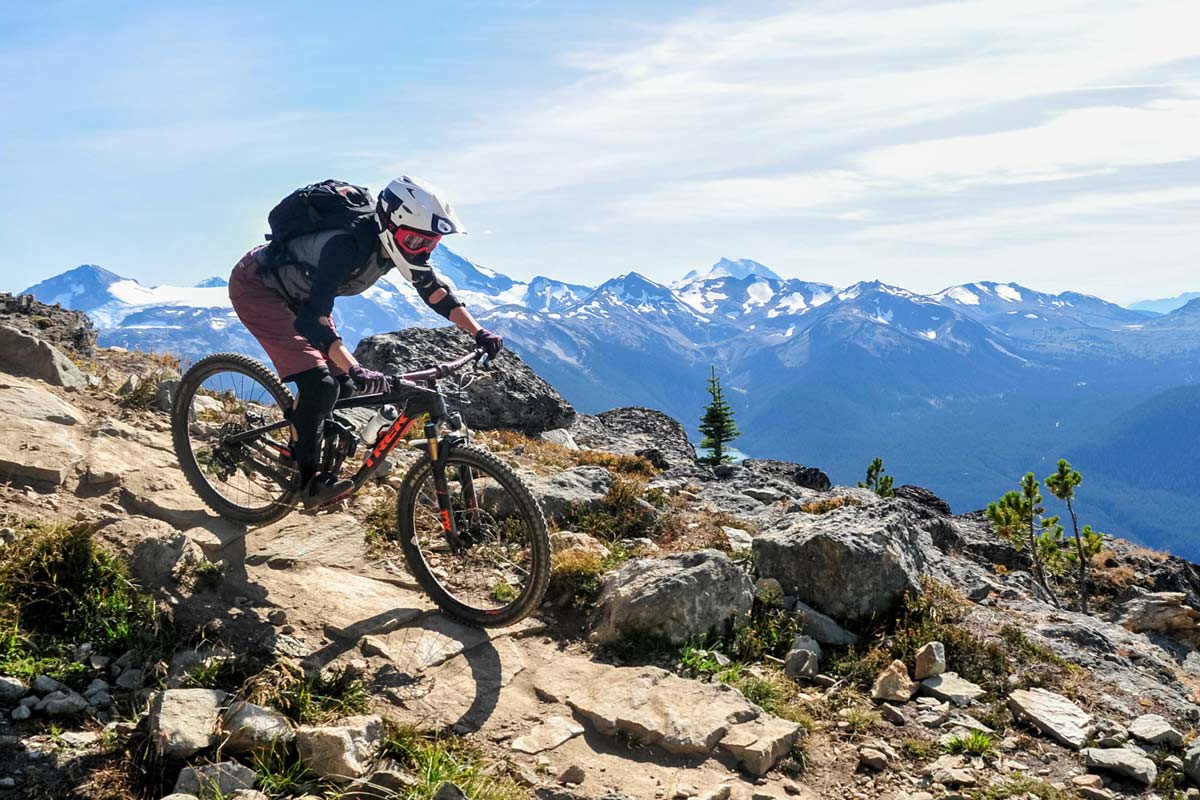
(442, 370)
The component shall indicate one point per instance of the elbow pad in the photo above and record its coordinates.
(429, 284)
(317, 331)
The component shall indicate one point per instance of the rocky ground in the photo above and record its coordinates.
(743, 632)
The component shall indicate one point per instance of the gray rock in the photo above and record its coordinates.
(248, 794)
(21, 713)
(764, 494)
(31, 357)
(183, 721)
(880, 550)
(737, 538)
(802, 476)
(561, 437)
(675, 597)
(178, 796)
(341, 752)
(573, 774)
(930, 661)
(388, 780)
(872, 759)
(566, 490)
(44, 684)
(1191, 762)
(510, 395)
(821, 627)
(165, 395)
(804, 659)
(212, 781)
(1154, 729)
(11, 689)
(249, 727)
(949, 687)
(450, 791)
(1161, 612)
(65, 703)
(1125, 762)
(1053, 715)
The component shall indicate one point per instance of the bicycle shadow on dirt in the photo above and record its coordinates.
(425, 655)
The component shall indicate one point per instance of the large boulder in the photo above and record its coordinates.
(40, 438)
(509, 395)
(31, 357)
(634, 430)
(878, 551)
(675, 597)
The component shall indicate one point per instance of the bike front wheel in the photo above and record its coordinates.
(495, 571)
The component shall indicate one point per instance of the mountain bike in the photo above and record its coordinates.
(471, 532)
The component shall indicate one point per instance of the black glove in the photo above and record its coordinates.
(490, 343)
(368, 381)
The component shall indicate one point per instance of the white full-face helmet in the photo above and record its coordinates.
(413, 218)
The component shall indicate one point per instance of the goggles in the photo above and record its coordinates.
(416, 242)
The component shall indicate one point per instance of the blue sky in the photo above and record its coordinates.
(1055, 143)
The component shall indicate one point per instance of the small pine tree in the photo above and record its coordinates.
(876, 481)
(1062, 485)
(717, 424)
(1015, 519)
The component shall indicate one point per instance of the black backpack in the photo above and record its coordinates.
(328, 205)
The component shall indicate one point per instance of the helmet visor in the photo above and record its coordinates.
(414, 242)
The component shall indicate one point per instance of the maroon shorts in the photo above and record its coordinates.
(266, 314)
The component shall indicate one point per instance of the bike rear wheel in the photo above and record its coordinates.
(221, 395)
(499, 574)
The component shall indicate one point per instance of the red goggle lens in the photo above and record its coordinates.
(414, 242)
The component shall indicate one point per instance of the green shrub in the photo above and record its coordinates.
(57, 589)
(975, 743)
(433, 759)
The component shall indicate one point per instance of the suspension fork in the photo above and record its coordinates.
(441, 486)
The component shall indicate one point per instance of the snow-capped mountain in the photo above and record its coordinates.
(730, 268)
(963, 390)
(1015, 308)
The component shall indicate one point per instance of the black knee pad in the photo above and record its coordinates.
(316, 393)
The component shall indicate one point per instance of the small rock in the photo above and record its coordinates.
(764, 494)
(804, 659)
(210, 781)
(277, 617)
(44, 684)
(893, 684)
(11, 689)
(341, 752)
(1154, 729)
(450, 791)
(21, 713)
(892, 714)
(1052, 714)
(249, 727)
(548, 735)
(62, 704)
(930, 661)
(949, 687)
(737, 538)
(1091, 781)
(129, 679)
(248, 794)
(573, 774)
(872, 759)
(1125, 762)
(183, 721)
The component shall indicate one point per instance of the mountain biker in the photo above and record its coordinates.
(287, 303)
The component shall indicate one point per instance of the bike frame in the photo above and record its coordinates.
(417, 393)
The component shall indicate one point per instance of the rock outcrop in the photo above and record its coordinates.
(507, 395)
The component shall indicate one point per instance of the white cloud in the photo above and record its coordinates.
(1077, 142)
